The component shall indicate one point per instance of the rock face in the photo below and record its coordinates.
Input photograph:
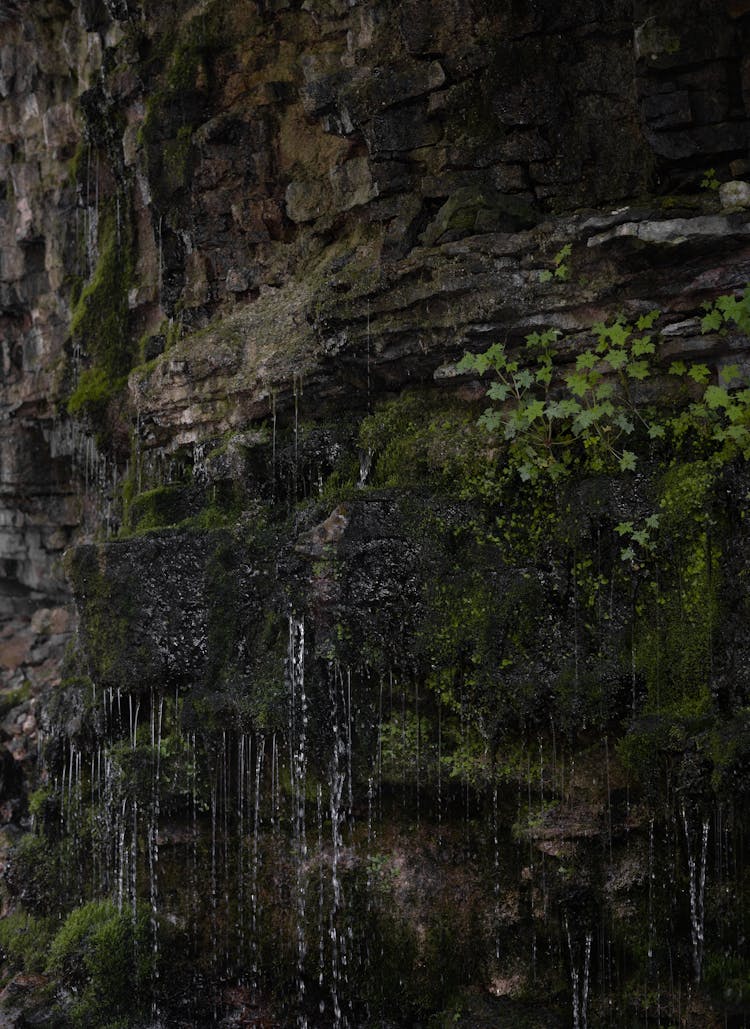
(360, 726)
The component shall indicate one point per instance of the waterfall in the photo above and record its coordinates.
(336, 782)
(697, 889)
(579, 977)
(298, 766)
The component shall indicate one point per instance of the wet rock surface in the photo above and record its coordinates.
(349, 732)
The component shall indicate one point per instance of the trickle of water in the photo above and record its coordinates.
(259, 752)
(496, 885)
(697, 884)
(321, 889)
(350, 786)
(160, 247)
(651, 880)
(365, 465)
(298, 743)
(336, 789)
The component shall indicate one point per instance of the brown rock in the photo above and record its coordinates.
(14, 652)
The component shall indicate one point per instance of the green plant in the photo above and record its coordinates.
(639, 540)
(562, 268)
(592, 415)
(727, 309)
(709, 180)
(546, 423)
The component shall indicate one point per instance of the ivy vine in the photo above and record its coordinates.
(593, 416)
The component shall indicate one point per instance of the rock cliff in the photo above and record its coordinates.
(312, 702)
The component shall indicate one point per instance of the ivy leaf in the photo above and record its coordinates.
(624, 528)
(638, 370)
(468, 363)
(647, 321)
(490, 420)
(677, 368)
(625, 424)
(616, 359)
(628, 461)
(699, 373)
(653, 521)
(562, 272)
(578, 384)
(563, 253)
(527, 472)
(730, 372)
(545, 276)
(618, 334)
(499, 391)
(716, 397)
(496, 356)
(738, 433)
(655, 431)
(585, 360)
(524, 379)
(569, 407)
(730, 307)
(711, 322)
(643, 346)
(534, 410)
(641, 538)
(584, 421)
(628, 554)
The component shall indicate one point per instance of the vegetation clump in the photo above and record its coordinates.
(593, 416)
(102, 957)
(100, 327)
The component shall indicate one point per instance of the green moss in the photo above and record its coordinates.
(93, 394)
(100, 321)
(32, 875)
(678, 609)
(156, 508)
(198, 40)
(38, 801)
(224, 628)
(107, 608)
(75, 164)
(183, 506)
(25, 940)
(100, 325)
(103, 956)
(177, 159)
(424, 439)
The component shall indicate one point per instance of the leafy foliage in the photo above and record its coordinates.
(562, 269)
(549, 424)
(709, 180)
(594, 415)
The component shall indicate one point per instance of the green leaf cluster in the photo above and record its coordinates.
(561, 270)
(596, 416)
(727, 310)
(551, 419)
(709, 180)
